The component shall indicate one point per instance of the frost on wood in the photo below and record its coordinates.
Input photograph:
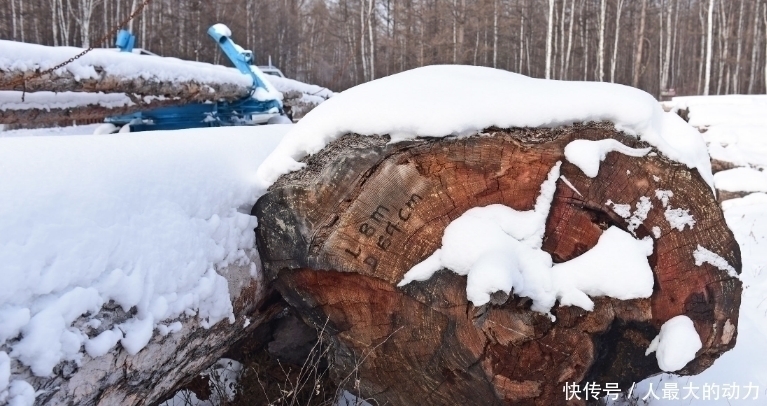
(339, 235)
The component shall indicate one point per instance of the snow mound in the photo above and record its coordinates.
(499, 249)
(145, 220)
(452, 100)
(587, 154)
(741, 180)
(11, 100)
(676, 344)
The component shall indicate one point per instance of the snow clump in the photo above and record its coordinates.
(422, 103)
(676, 344)
(499, 249)
(587, 154)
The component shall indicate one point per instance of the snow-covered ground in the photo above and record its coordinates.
(735, 129)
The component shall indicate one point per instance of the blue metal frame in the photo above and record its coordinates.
(245, 111)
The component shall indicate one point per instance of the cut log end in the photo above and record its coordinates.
(338, 236)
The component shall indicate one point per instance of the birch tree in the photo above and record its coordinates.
(83, 19)
(549, 38)
(736, 74)
(667, 49)
(569, 40)
(754, 48)
(601, 50)
(617, 36)
(709, 29)
(639, 40)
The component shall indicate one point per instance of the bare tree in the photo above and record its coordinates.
(709, 29)
(601, 51)
(739, 36)
(639, 40)
(548, 39)
(667, 49)
(754, 48)
(617, 35)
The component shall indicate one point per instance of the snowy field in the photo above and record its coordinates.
(147, 220)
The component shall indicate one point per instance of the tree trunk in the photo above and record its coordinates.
(667, 57)
(166, 363)
(569, 42)
(562, 41)
(739, 36)
(754, 48)
(337, 237)
(724, 30)
(639, 45)
(13, 18)
(65, 81)
(549, 38)
(601, 50)
(615, 45)
(495, 33)
(64, 116)
(709, 29)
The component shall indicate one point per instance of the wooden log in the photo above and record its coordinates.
(324, 243)
(95, 112)
(166, 363)
(64, 81)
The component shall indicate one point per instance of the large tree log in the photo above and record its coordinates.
(30, 112)
(424, 343)
(190, 90)
(166, 363)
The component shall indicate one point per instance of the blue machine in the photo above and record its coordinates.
(125, 41)
(258, 107)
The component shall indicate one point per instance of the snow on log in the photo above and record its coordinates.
(50, 107)
(350, 217)
(109, 71)
(127, 266)
(300, 97)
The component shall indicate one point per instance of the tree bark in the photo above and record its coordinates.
(65, 116)
(754, 48)
(740, 38)
(65, 81)
(549, 39)
(601, 50)
(337, 237)
(639, 45)
(166, 363)
(709, 28)
(617, 36)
